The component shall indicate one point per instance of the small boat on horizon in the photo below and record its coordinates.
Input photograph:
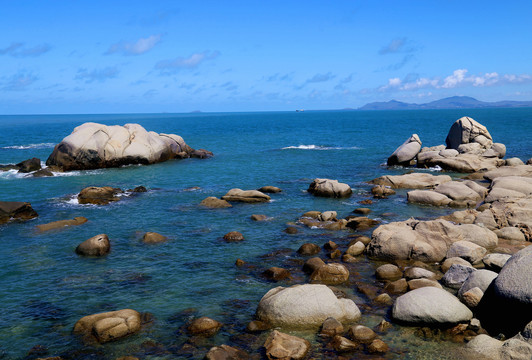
(299, 110)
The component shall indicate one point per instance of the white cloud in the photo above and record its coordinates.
(190, 62)
(18, 82)
(18, 50)
(138, 47)
(458, 78)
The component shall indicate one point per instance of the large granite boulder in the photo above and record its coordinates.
(406, 152)
(480, 279)
(304, 306)
(329, 188)
(109, 326)
(16, 210)
(466, 130)
(509, 187)
(413, 239)
(520, 170)
(247, 196)
(430, 305)
(94, 146)
(514, 282)
(411, 181)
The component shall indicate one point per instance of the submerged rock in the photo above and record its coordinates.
(109, 326)
(304, 306)
(283, 346)
(62, 223)
(15, 210)
(204, 326)
(226, 352)
(153, 238)
(215, 203)
(94, 146)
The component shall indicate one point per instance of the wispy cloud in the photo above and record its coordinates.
(98, 75)
(320, 78)
(18, 82)
(191, 62)
(342, 83)
(459, 78)
(400, 46)
(17, 49)
(280, 77)
(138, 47)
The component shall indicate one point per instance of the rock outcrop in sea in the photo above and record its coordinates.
(94, 146)
(469, 148)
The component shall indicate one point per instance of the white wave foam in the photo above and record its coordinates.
(11, 174)
(30, 146)
(319, 147)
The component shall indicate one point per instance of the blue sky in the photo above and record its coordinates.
(181, 56)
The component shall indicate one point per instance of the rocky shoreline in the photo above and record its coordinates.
(466, 275)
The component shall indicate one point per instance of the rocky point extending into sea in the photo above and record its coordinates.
(467, 275)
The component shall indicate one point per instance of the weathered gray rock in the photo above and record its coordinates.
(109, 326)
(448, 153)
(461, 217)
(519, 170)
(495, 262)
(479, 235)
(480, 278)
(451, 261)
(283, 346)
(457, 275)
(98, 245)
(508, 187)
(430, 305)
(497, 150)
(466, 130)
(246, 196)
(381, 191)
(484, 347)
(464, 163)
(514, 162)
(304, 306)
(516, 349)
(329, 188)
(514, 282)
(458, 191)
(427, 197)
(406, 152)
(415, 272)
(510, 233)
(466, 250)
(93, 146)
(412, 181)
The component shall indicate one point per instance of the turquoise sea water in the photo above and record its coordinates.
(45, 287)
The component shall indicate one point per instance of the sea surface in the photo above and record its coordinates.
(45, 287)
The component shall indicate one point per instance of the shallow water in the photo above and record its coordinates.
(46, 287)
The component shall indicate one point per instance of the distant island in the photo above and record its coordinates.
(454, 102)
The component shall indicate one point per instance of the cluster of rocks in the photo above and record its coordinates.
(32, 167)
(239, 195)
(104, 195)
(469, 148)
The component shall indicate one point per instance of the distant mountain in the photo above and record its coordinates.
(454, 102)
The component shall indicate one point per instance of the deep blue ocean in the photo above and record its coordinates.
(45, 287)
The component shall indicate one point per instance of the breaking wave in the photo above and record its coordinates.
(30, 146)
(320, 147)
